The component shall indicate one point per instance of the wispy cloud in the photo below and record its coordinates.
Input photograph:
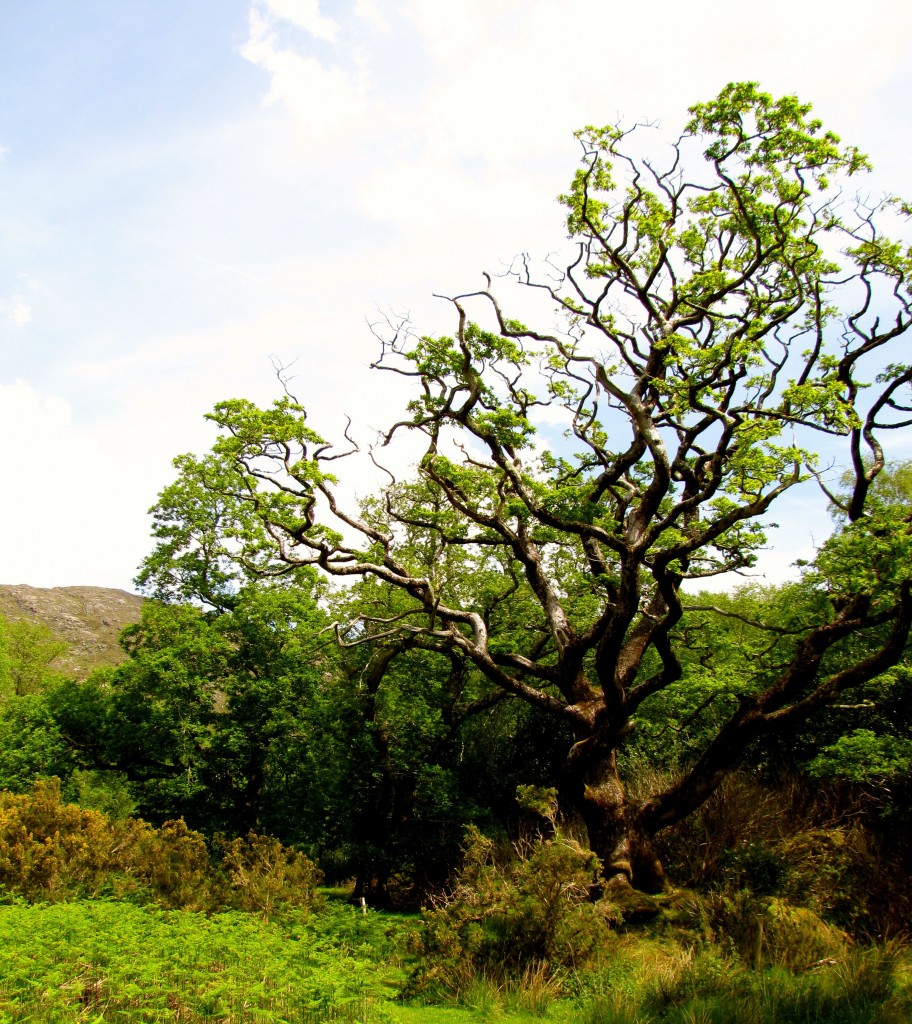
(16, 311)
(305, 14)
(328, 102)
(369, 12)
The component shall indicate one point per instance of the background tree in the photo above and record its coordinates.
(438, 742)
(27, 651)
(724, 310)
(30, 743)
(407, 728)
(213, 716)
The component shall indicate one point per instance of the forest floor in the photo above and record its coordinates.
(95, 961)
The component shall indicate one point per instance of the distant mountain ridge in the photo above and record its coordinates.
(88, 619)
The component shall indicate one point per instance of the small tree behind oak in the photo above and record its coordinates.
(725, 309)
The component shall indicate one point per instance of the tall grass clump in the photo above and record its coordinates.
(861, 989)
(657, 981)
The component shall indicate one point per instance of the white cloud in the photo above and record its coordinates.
(20, 312)
(17, 308)
(327, 103)
(305, 14)
(473, 153)
(454, 32)
(16, 311)
(34, 285)
(369, 12)
(510, 75)
(62, 521)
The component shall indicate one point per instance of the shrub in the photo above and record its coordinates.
(50, 850)
(808, 845)
(513, 913)
(53, 851)
(263, 874)
(172, 864)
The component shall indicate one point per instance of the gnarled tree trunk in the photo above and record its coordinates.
(615, 825)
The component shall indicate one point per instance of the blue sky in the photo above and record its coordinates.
(191, 187)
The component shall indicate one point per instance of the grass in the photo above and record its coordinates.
(660, 981)
(98, 961)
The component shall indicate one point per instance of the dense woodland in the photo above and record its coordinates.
(254, 719)
(500, 689)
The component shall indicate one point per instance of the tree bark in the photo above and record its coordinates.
(614, 824)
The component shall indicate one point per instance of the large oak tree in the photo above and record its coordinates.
(727, 307)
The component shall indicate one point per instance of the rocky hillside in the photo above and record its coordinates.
(88, 619)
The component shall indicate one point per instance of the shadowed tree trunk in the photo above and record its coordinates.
(615, 827)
